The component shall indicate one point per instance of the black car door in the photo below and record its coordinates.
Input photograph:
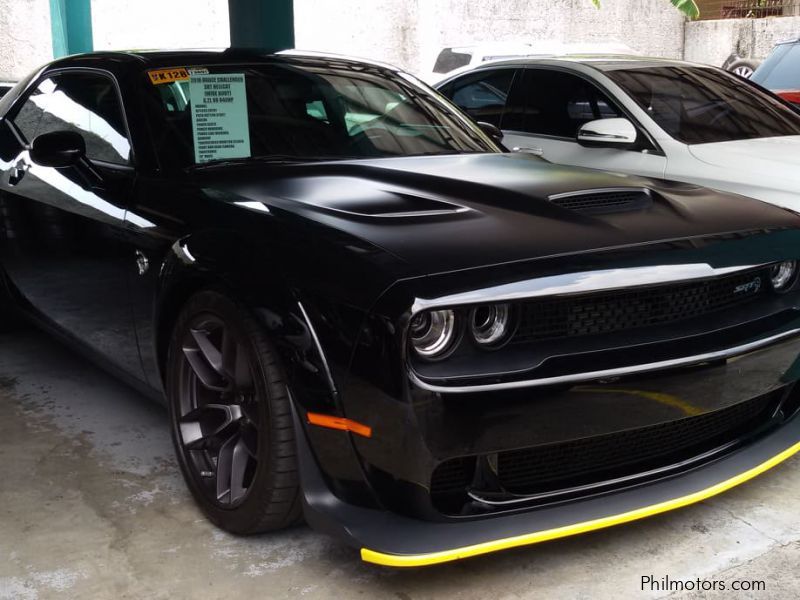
(62, 229)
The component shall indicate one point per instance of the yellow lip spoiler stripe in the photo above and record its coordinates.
(421, 560)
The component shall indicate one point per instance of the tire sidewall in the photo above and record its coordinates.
(243, 517)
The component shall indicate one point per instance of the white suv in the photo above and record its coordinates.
(641, 116)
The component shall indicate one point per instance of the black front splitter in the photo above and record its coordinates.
(390, 539)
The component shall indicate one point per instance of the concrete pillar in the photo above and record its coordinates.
(263, 24)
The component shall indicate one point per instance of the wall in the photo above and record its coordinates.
(25, 39)
(714, 41)
(410, 33)
(377, 29)
(142, 24)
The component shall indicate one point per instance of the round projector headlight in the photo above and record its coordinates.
(782, 275)
(490, 324)
(432, 333)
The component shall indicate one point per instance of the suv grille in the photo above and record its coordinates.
(629, 309)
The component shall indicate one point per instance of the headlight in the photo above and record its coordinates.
(432, 333)
(490, 324)
(782, 275)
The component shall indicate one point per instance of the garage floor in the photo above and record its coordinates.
(91, 506)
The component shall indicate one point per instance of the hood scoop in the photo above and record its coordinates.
(604, 201)
(360, 199)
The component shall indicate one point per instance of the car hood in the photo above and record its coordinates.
(446, 213)
(777, 157)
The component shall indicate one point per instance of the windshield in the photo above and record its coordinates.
(299, 111)
(696, 105)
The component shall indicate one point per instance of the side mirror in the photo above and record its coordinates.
(607, 133)
(58, 149)
(493, 131)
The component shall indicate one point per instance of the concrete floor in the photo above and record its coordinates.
(92, 506)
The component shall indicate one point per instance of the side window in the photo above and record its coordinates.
(483, 96)
(555, 104)
(88, 104)
(29, 116)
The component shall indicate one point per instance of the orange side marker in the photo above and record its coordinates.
(339, 423)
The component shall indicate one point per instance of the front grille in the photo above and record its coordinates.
(603, 202)
(585, 461)
(630, 309)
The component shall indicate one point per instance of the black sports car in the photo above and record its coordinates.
(361, 311)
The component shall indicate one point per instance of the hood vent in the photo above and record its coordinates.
(609, 200)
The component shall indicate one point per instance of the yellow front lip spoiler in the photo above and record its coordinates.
(422, 560)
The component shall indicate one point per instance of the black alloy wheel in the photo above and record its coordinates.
(231, 418)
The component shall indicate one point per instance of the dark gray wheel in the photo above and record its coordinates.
(231, 418)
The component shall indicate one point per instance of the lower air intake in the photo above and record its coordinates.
(552, 467)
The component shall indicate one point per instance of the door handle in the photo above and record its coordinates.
(527, 150)
(18, 172)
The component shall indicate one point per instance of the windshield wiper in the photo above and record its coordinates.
(272, 159)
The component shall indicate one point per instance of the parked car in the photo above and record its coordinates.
(744, 67)
(780, 73)
(427, 347)
(651, 117)
(451, 61)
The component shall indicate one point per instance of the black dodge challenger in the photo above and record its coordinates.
(361, 311)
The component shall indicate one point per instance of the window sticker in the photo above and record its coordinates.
(161, 76)
(220, 126)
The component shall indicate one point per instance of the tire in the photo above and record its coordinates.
(743, 67)
(231, 417)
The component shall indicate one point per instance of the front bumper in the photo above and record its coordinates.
(390, 539)
(416, 432)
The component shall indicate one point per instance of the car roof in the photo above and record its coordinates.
(601, 62)
(139, 60)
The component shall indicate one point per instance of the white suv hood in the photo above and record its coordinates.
(777, 157)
